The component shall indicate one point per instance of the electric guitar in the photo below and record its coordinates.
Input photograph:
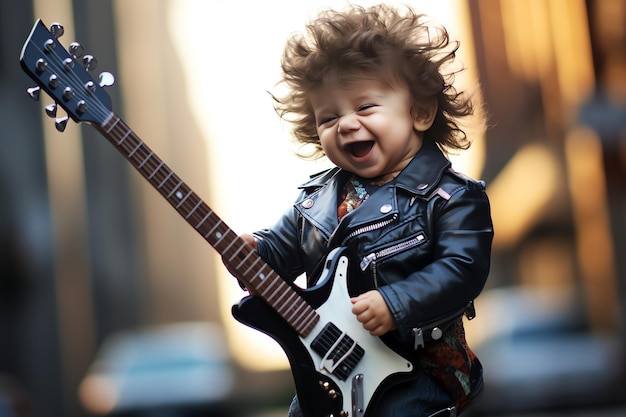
(339, 369)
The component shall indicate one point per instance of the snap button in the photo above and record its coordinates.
(422, 186)
(385, 208)
(308, 203)
(436, 333)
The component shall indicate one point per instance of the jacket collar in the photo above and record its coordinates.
(424, 171)
(420, 176)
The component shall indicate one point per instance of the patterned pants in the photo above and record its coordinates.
(421, 397)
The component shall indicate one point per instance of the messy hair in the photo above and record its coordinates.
(377, 41)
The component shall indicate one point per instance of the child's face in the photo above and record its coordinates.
(366, 127)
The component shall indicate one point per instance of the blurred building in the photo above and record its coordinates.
(88, 249)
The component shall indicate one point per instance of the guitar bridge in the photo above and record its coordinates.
(340, 353)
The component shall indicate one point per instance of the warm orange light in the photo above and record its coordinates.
(591, 218)
(520, 194)
(98, 395)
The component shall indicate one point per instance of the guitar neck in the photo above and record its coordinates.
(256, 275)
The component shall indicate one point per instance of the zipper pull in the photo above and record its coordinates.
(365, 262)
(470, 311)
(418, 336)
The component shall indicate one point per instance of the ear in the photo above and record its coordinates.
(423, 118)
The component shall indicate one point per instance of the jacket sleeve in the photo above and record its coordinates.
(461, 233)
(278, 246)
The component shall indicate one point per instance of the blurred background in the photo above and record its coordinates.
(110, 304)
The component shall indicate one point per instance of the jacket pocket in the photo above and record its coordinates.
(392, 250)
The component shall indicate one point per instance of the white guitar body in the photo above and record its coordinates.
(353, 394)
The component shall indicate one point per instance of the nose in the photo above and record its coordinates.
(348, 123)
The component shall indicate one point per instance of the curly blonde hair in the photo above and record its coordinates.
(379, 41)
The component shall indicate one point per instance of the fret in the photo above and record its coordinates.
(167, 177)
(233, 241)
(198, 204)
(130, 155)
(270, 285)
(255, 273)
(182, 201)
(220, 236)
(290, 318)
(308, 323)
(302, 314)
(245, 258)
(212, 229)
(155, 171)
(197, 227)
(117, 120)
(247, 271)
(276, 291)
(146, 159)
(110, 116)
(262, 275)
(175, 187)
(119, 143)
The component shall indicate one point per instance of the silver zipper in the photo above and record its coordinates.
(369, 228)
(367, 260)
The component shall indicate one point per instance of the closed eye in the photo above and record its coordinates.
(327, 119)
(365, 107)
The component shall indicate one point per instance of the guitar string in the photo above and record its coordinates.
(145, 157)
(149, 159)
(301, 317)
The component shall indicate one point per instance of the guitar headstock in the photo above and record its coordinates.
(58, 71)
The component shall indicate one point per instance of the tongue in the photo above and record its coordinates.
(361, 148)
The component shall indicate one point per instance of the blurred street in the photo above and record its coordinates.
(602, 412)
(112, 306)
(609, 412)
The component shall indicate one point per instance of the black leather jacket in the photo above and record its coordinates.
(423, 240)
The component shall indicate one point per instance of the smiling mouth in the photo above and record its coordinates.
(360, 149)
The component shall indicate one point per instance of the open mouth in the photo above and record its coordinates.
(360, 149)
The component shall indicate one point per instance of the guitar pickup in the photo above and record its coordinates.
(340, 353)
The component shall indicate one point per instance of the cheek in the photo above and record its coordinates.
(327, 140)
(331, 148)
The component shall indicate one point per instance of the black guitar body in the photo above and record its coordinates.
(313, 398)
(318, 393)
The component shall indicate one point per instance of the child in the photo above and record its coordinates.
(366, 89)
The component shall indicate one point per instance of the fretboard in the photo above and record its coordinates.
(256, 275)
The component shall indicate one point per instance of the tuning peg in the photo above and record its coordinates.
(90, 86)
(41, 65)
(48, 45)
(57, 30)
(33, 92)
(51, 110)
(61, 123)
(89, 62)
(76, 50)
(81, 107)
(106, 79)
(53, 81)
(68, 93)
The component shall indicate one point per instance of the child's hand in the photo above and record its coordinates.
(371, 309)
(249, 239)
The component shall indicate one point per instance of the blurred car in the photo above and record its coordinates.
(540, 355)
(180, 369)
